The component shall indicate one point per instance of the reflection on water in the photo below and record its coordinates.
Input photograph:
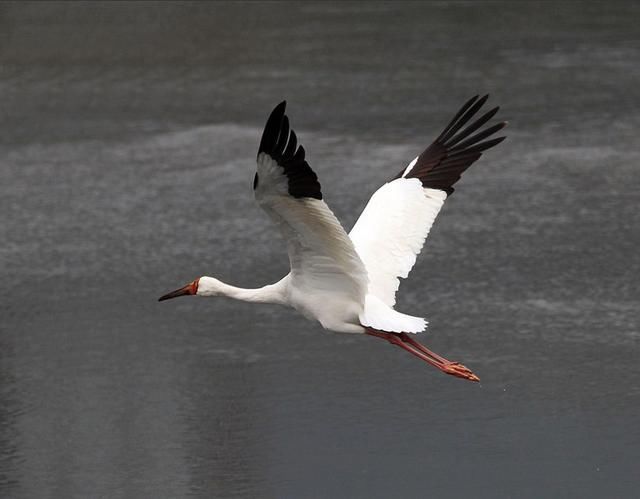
(128, 139)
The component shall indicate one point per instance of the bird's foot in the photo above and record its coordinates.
(458, 370)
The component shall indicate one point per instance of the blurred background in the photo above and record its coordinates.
(128, 134)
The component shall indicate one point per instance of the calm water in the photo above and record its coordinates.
(127, 141)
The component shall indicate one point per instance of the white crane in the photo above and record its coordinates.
(348, 282)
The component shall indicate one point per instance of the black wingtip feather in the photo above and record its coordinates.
(279, 141)
(283, 134)
(272, 128)
(460, 112)
(443, 162)
(465, 118)
(291, 146)
(477, 137)
(473, 127)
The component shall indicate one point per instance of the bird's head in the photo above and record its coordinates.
(192, 288)
(202, 286)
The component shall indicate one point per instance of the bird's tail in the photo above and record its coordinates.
(378, 315)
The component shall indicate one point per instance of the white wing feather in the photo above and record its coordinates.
(393, 227)
(391, 232)
(321, 255)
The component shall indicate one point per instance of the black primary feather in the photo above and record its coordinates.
(443, 162)
(279, 141)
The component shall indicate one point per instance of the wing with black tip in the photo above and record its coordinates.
(394, 225)
(320, 252)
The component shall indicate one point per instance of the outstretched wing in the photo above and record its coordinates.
(391, 230)
(321, 255)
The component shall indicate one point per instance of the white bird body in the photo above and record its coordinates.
(348, 282)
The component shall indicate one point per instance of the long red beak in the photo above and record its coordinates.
(189, 289)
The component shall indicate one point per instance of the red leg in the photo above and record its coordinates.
(406, 342)
(414, 343)
(395, 339)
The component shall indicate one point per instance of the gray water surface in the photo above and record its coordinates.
(128, 135)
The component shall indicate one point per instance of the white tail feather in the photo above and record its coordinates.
(379, 315)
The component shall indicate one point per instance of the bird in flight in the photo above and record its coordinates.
(348, 282)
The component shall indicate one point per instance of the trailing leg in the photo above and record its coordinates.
(406, 342)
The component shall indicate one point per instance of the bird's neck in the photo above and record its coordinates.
(272, 293)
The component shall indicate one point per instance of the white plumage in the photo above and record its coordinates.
(348, 283)
(391, 232)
